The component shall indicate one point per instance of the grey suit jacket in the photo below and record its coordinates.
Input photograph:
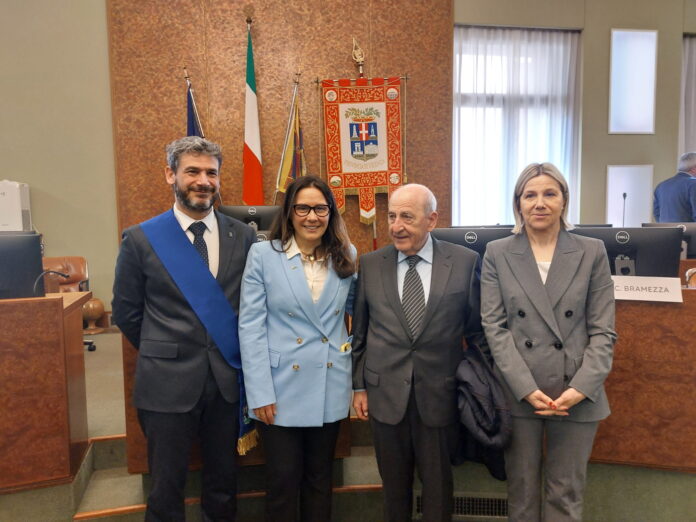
(387, 362)
(175, 350)
(554, 336)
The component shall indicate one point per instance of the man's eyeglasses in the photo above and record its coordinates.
(319, 210)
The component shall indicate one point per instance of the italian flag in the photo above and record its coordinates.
(252, 186)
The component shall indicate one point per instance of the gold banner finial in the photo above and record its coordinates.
(358, 57)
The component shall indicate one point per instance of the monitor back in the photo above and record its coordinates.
(652, 252)
(474, 238)
(20, 265)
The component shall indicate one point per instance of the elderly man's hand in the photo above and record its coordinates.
(360, 404)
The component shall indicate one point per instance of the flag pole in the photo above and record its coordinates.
(252, 172)
(358, 56)
(291, 120)
(193, 102)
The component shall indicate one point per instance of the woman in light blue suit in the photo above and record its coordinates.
(295, 348)
(547, 308)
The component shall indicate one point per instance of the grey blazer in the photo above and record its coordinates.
(386, 359)
(175, 352)
(553, 336)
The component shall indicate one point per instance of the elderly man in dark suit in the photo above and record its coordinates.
(176, 295)
(675, 198)
(416, 301)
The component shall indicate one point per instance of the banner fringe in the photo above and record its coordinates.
(247, 442)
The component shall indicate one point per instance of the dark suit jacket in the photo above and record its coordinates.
(483, 412)
(675, 199)
(387, 362)
(175, 350)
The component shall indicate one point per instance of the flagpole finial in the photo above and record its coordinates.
(358, 57)
(297, 77)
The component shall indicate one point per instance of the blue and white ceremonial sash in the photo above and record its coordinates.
(205, 296)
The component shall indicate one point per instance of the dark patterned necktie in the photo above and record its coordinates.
(198, 228)
(413, 297)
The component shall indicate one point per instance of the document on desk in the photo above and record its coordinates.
(637, 288)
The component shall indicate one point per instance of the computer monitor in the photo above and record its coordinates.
(475, 238)
(20, 266)
(483, 226)
(260, 217)
(639, 251)
(596, 225)
(689, 235)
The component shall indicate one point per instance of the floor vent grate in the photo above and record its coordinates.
(467, 505)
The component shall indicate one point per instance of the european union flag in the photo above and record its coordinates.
(193, 124)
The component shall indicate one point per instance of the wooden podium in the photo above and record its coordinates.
(43, 415)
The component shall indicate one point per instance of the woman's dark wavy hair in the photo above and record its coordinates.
(335, 244)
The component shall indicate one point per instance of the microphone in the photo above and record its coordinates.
(623, 212)
(38, 278)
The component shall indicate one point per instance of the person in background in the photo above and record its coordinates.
(176, 296)
(296, 350)
(675, 198)
(547, 308)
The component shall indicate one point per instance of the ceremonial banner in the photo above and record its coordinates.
(362, 132)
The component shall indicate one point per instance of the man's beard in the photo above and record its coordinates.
(183, 197)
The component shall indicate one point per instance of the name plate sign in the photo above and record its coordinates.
(636, 288)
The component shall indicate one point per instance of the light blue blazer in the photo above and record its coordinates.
(290, 345)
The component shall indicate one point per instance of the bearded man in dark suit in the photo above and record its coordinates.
(176, 296)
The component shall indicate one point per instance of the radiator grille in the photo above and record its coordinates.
(468, 505)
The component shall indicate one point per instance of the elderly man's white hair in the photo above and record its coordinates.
(687, 161)
(430, 201)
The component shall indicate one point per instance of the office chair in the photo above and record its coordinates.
(75, 267)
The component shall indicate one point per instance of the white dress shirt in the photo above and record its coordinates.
(315, 270)
(424, 268)
(211, 236)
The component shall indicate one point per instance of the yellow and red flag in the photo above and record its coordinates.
(292, 163)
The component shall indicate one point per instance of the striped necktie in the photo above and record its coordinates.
(413, 297)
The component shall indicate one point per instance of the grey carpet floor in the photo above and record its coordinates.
(104, 383)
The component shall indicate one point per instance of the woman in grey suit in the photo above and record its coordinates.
(547, 307)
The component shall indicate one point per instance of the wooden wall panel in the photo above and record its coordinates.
(151, 41)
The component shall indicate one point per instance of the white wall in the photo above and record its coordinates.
(596, 18)
(55, 126)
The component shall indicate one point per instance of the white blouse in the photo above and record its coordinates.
(316, 270)
(544, 269)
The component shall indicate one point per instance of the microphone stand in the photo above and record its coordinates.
(38, 278)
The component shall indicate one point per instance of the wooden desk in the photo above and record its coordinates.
(43, 412)
(652, 387)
